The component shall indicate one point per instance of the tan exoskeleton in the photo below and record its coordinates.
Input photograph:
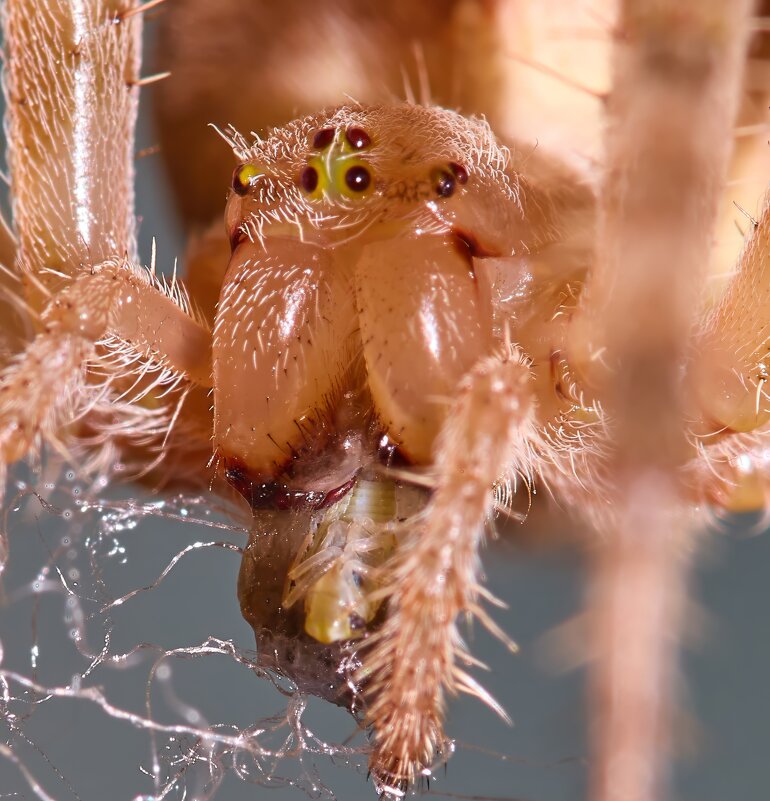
(402, 303)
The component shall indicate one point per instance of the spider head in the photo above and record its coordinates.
(372, 172)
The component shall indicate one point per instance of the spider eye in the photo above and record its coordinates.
(352, 177)
(243, 178)
(313, 179)
(337, 171)
(323, 138)
(308, 179)
(358, 138)
(459, 172)
(443, 182)
(357, 179)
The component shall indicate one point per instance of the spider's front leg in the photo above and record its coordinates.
(488, 433)
(71, 76)
(414, 657)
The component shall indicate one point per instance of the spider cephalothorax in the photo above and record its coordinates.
(356, 244)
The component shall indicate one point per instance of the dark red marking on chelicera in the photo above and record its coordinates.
(469, 247)
(237, 235)
(308, 179)
(323, 138)
(358, 138)
(275, 495)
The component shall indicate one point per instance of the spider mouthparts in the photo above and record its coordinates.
(279, 496)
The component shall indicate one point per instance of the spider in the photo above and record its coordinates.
(403, 323)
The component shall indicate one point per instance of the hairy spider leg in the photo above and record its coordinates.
(72, 100)
(413, 661)
(677, 70)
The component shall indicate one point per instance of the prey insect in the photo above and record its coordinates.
(404, 322)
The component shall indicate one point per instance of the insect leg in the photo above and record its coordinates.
(413, 662)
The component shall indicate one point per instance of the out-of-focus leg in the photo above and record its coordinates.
(414, 659)
(677, 69)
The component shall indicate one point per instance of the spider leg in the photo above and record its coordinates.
(735, 344)
(71, 84)
(413, 661)
(72, 74)
(676, 78)
(45, 387)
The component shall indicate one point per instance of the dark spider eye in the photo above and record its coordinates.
(358, 138)
(243, 177)
(323, 138)
(443, 182)
(308, 179)
(459, 172)
(357, 178)
(357, 623)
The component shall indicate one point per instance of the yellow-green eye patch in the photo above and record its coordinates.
(243, 177)
(338, 171)
(336, 175)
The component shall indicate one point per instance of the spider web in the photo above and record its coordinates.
(126, 671)
(90, 616)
